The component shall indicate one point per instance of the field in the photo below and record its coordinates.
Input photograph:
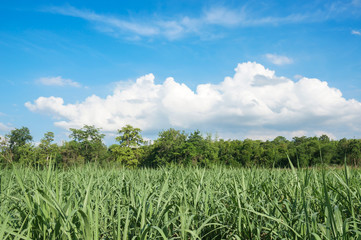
(180, 203)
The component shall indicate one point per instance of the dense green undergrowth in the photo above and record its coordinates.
(180, 203)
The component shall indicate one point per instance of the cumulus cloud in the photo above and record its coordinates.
(278, 60)
(255, 100)
(57, 81)
(355, 32)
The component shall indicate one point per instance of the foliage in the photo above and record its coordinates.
(70, 154)
(89, 143)
(168, 148)
(47, 151)
(90, 202)
(129, 137)
(17, 139)
(130, 157)
(199, 151)
(6, 154)
(129, 152)
(176, 147)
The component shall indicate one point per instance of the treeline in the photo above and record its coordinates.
(174, 147)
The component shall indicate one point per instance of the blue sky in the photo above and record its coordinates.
(239, 69)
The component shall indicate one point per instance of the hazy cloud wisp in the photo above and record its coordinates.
(278, 60)
(57, 81)
(356, 32)
(177, 27)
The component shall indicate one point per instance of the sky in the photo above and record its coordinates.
(235, 69)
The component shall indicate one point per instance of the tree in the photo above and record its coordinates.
(247, 153)
(70, 153)
(168, 147)
(89, 141)
(128, 156)
(199, 150)
(46, 140)
(226, 152)
(281, 145)
(18, 138)
(307, 151)
(324, 138)
(129, 151)
(47, 150)
(270, 154)
(27, 154)
(354, 151)
(129, 137)
(87, 133)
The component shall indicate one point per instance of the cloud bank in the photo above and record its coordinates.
(57, 81)
(255, 103)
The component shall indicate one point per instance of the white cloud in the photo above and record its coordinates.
(251, 102)
(57, 81)
(278, 60)
(355, 32)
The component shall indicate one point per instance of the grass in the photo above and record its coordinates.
(180, 203)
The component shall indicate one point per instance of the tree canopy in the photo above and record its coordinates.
(129, 136)
(175, 147)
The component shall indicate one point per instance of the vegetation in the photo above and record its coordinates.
(179, 203)
(83, 189)
(175, 147)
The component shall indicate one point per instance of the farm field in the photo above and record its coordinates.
(180, 203)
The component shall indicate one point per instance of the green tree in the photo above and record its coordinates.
(247, 153)
(27, 154)
(341, 151)
(168, 148)
(47, 150)
(70, 153)
(269, 156)
(324, 138)
(328, 149)
(90, 143)
(198, 150)
(354, 151)
(128, 152)
(307, 151)
(17, 139)
(129, 137)
(281, 145)
(226, 152)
